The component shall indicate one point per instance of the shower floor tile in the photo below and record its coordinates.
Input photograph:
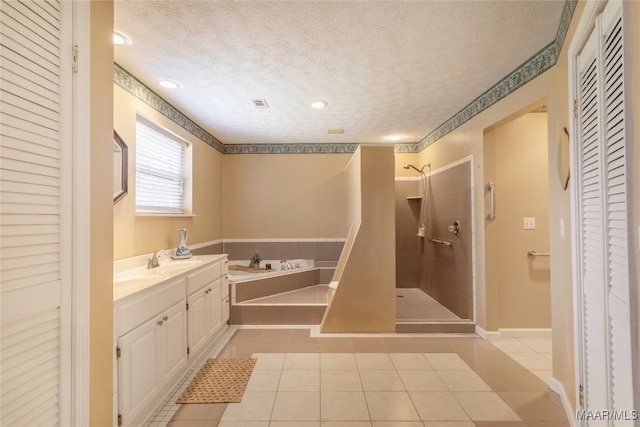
(413, 304)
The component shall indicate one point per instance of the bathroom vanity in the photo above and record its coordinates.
(164, 318)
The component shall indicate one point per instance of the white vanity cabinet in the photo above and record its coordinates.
(204, 302)
(152, 353)
(159, 329)
(224, 281)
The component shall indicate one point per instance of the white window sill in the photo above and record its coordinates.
(163, 215)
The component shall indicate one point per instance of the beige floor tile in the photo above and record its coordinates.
(212, 411)
(448, 424)
(543, 374)
(268, 361)
(340, 380)
(540, 345)
(422, 381)
(548, 355)
(446, 361)
(345, 424)
(240, 424)
(197, 423)
(296, 406)
(512, 380)
(335, 361)
(380, 380)
(438, 406)
(533, 406)
(409, 361)
(300, 380)
(532, 361)
(398, 424)
(343, 406)
(294, 424)
(374, 361)
(255, 406)
(264, 380)
(485, 406)
(391, 406)
(511, 345)
(462, 380)
(302, 361)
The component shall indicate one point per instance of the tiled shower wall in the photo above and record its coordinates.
(444, 272)
(408, 253)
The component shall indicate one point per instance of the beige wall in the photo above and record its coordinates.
(101, 232)
(468, 139)
(515, 159)
(136, 235)
(284, 196)
(365, 298)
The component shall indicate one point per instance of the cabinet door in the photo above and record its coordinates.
(214, 308)
(225, 310)
(137, 369)
(172, 342)
(197, 321)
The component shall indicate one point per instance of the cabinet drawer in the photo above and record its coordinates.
(134, 313)
(203, 277)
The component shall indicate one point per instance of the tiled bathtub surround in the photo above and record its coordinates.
(320, 250)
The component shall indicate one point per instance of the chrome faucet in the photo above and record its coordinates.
(154, 262)
(285, 265)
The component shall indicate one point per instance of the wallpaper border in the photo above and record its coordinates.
(527, 71)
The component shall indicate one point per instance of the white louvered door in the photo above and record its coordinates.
(603, 209)
(34, 220)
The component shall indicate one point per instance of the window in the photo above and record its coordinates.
(163, 171)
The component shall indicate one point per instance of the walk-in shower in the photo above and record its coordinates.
(424, 204)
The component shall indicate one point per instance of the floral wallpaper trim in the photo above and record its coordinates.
(135, 87)
(529, 70)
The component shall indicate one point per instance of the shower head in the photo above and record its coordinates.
(412, 167)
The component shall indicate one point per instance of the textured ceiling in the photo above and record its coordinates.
(384, 67)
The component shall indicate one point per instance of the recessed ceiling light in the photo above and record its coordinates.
(169, 84)
(319, 104)
(394, 137)
(121, 38)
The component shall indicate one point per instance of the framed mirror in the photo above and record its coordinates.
(120, 166)
(563, 159)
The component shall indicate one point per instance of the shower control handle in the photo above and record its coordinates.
(455, 228)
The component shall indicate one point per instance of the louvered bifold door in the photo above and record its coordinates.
(603, 222)
(31, 220)
(591, 226)
(614, 148)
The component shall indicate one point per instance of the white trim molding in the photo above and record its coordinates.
(81, 192)
(557, 387)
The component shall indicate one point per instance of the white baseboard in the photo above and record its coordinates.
(513, 333)
(557, 387)
(487, 335)
(525, 332)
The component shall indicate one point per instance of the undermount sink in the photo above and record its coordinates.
(133, 281)
(179, 265)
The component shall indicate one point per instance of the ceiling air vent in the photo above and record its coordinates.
(260, 103)
(335, 131)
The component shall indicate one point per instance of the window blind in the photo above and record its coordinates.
(159, 169)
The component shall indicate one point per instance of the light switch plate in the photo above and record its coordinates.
(529, 223)
(561, 227)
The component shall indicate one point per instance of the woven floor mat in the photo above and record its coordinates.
(219, 381)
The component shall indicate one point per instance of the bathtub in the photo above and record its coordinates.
(300, 265)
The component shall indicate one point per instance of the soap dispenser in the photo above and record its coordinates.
(183, 251)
